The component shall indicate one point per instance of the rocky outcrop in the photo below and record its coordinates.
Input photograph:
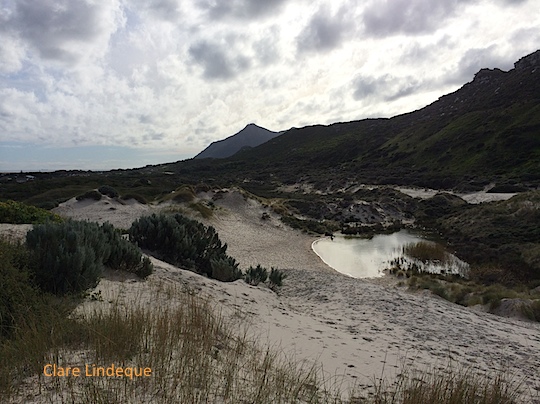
(531, 61)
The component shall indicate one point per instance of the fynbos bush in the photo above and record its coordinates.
(19, 213)
(256, 275)
(276, 278)
(187, 243)
(70, 256)
(108, 190)
(93, 194)
(225, 269)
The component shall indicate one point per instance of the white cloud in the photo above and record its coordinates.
(178, 74)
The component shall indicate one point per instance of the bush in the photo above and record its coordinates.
(185, 242)
(184, 194)
(17, 296)
(70, 256)
(532, 310)
(20, 213)
(256, 275)
(109, 191)
(93, 194)
(276, 278)
(124, 255)
(225, 269)
(139, 198)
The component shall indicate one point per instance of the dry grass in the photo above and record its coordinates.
(195, 354)
(446, 386)
(426, 251)
(198, 356)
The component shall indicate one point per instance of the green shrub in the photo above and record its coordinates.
(185, 242)
(93, 194)
(256, 275)
(17, 295)
(20, 213)
(276, 277)
(70, 256)
(109, 191)
(225, 269)
(124, 255)
(532, 310)
(137, 197)
(184, 194)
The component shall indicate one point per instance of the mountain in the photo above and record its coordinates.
(251, 136)
(487, 130)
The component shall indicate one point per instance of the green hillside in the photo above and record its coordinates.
(488, 130)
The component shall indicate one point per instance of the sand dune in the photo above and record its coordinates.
(359, 329)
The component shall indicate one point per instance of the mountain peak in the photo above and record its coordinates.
(251, 136)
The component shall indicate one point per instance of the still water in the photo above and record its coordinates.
(363, 258)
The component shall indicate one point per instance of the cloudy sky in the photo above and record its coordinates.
(95, 84)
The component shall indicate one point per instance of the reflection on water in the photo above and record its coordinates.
(363, 258)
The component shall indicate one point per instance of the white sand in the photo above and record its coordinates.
(472, 198)
(357, 328)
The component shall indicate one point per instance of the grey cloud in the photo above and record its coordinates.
(417, 53)
(475, 59)
(145, 118)
(165, 9)
(387, 87)
(152, 136)
(241, 9)
(366, 86)
(407, 16)
(216, 62)
(266, 49)
(168, 10)
(324, 32)
(48, 25)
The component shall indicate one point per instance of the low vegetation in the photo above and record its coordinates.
(470, 293)
(20, 213)
(109, 191)
(187, 243)
(195, 354)
(190, 244)
(92, 194)
(447, 386)
(256, 275)
(500, 235)
(425, 251)
(69, 257)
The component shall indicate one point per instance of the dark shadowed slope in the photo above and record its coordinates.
(251, 136)
(488, 129)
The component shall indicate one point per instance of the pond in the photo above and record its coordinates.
(367, 258)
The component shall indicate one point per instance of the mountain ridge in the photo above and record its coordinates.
(489, 128)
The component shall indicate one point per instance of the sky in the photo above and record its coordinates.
(92, 84)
